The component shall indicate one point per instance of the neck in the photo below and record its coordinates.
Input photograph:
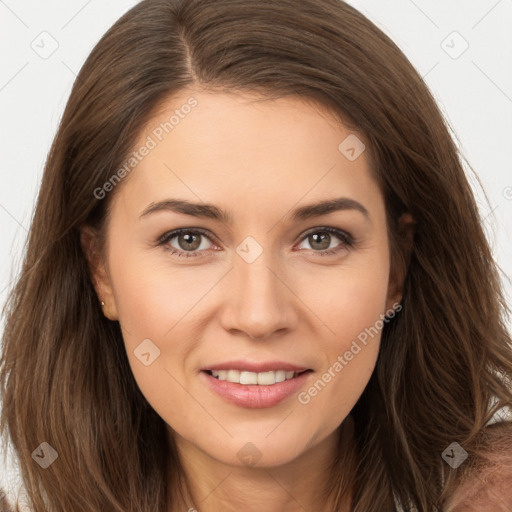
(301, 484)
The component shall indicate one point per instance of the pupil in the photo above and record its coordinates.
(324, 244)
(188, 239)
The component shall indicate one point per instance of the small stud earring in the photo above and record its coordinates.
(102, 304)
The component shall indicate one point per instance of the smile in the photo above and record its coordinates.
(255, 390)
(252, 378)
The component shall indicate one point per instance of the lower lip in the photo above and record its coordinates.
(255, 396)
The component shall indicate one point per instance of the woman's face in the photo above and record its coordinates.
(261, 285)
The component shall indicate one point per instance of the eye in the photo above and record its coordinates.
(321, 238)
(189, 242)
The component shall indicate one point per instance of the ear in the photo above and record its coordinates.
(400, 258)
(89, 241)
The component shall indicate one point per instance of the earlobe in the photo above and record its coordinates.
(98, 272)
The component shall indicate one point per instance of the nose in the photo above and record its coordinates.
(260, 303)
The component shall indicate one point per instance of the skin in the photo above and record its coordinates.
(258, 161)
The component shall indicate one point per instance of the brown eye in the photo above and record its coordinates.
(186, 242)
(320, 240)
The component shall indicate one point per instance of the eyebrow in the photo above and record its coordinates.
(210, 211)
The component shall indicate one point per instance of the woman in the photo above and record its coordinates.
(155, 361)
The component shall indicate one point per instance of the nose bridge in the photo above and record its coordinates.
(259, 301)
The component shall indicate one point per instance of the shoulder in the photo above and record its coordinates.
(490, 491)
(487, 484)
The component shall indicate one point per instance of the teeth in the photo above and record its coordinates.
(261, 378)
(281, 376)
(232, 376)
(266, 378)
(249, 378)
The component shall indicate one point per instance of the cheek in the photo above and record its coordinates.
(152, 305)
(348, 300)
(151, 296)
(353, 315)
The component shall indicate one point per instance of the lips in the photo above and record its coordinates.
(257, 367)
(255, 384)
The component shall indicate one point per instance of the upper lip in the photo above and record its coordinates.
(256, 367)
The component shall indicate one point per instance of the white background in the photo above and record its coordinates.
(473, 90)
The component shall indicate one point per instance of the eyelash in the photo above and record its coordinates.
(347, 240)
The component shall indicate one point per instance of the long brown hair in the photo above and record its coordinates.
(65, 377)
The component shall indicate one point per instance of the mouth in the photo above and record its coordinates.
(247, 378)
(255, 389)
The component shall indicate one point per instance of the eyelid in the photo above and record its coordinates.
(169, 235)
(344, 236)
(340, 233)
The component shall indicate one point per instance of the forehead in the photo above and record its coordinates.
(225, 147)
